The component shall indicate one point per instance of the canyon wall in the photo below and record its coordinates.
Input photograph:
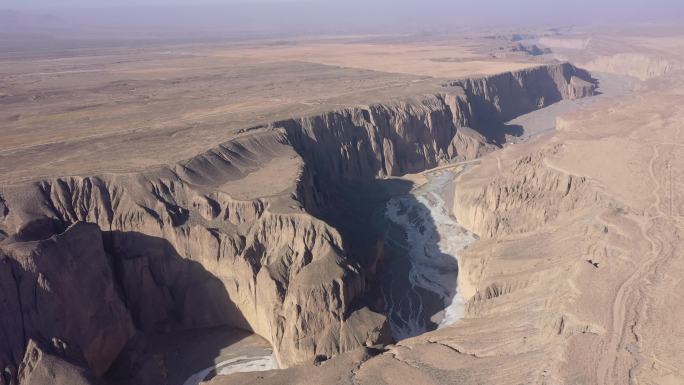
(495, 99)
(522, 200)
(410, 136)
(531, 219)
(228, 237)
(642, 67)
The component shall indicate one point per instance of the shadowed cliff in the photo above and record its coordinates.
(197, 243)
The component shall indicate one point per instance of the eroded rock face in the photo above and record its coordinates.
(462, 123)
(46, 365)
(500, 98)
(523, 200)
(190, 256)
(386, 140)
(63, 288)
(642, 67)
(193, 244)
(532, 50)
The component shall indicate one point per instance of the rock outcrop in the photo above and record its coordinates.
(410, 136)
(62, 288)
(500, 98)
(532, 50)
(642, 67)
(524, 199)
(389, 139)
(49, 365)
(229, 237)
(573, 278)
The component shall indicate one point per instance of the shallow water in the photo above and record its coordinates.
(234, 365)
(423, 288)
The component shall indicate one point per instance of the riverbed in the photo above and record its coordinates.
(422, 243)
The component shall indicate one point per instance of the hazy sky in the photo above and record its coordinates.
(290, 17)
(33, 4)
(509, 5)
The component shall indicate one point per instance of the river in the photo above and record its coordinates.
(422, 243)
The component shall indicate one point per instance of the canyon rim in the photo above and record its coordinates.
(491, 205)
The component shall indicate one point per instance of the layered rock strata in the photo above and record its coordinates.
(199, 243)
(574, 279)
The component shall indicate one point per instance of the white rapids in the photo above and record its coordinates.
(433, 241)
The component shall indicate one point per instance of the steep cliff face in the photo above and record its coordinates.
(524, 199)
(642, 67)
(513, 200)
(499, 98)
(184, 259)
(188, 255)
(45, 364)
(388, 139)
(228, 237)
(62, 288)
(463, 122)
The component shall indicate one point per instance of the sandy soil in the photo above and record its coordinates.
(120, 110)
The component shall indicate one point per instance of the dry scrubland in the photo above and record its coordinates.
(206, 172)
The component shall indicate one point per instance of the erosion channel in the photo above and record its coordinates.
(307, 232)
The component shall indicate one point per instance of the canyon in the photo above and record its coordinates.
(260, 219)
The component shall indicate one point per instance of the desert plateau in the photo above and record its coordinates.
(478, 205)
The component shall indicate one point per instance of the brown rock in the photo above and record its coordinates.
(63, 288)
(41, 367)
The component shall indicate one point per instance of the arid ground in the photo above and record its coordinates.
(150, 194)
